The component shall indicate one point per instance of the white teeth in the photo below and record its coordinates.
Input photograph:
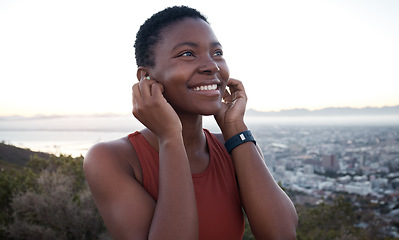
(206, 87)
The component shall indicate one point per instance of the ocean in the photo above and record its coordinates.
(74, 135)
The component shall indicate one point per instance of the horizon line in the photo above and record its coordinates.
(116, 114)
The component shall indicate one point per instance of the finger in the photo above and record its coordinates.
(236, 88)
(235, 85)
(234, 81)
(227, 96)
(157, 89)
(135, 98)
(136, 91)
(145, 86)
(226, 93)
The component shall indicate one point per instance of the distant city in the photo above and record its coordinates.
(323, 161)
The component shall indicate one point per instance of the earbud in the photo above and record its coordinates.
(145, 77)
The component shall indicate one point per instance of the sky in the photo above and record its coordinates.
(77, 56)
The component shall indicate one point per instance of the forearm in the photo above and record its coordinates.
(175, 214)
(270, 211)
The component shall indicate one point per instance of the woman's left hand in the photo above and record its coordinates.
(230, 118)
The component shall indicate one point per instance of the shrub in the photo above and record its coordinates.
(54, 211)
(55, 202)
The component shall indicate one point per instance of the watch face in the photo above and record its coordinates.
(242, 136)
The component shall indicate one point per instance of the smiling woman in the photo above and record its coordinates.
(189, 58)
(176, 180)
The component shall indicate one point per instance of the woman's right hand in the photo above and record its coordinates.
(151, 109)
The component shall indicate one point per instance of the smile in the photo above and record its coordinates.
(210, 87)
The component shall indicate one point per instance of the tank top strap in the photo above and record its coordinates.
(149, 161)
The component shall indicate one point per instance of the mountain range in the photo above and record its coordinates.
(333, 111)
(298, 112)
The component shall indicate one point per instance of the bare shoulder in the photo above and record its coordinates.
(118, 154)
(111, 171)
(106, 152)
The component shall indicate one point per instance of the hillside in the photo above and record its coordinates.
(17, 156)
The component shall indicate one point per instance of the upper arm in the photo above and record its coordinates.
(126, 208)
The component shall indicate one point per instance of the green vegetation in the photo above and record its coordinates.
(48, 198)
(338, 219)
(335, 221)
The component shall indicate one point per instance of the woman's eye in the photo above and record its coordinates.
(218, 53)
(186, 54)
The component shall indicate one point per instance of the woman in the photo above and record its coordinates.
(173, 179)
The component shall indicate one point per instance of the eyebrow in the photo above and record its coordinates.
(191, 44)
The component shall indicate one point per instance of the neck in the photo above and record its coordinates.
(194, 142)
(193, 135)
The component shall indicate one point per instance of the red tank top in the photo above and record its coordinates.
(218, 202)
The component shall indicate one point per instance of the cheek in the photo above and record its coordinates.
(224, 74)
(174, 80)
(170, 75)
(224, 70)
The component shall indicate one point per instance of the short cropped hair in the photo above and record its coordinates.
(149, 33)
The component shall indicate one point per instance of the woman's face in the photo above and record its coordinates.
(189, 63)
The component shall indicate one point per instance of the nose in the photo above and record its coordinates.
(209, 66)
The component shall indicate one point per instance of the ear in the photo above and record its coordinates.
(142, 72)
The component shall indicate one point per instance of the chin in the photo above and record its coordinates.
(210, 112)
(204, 109)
